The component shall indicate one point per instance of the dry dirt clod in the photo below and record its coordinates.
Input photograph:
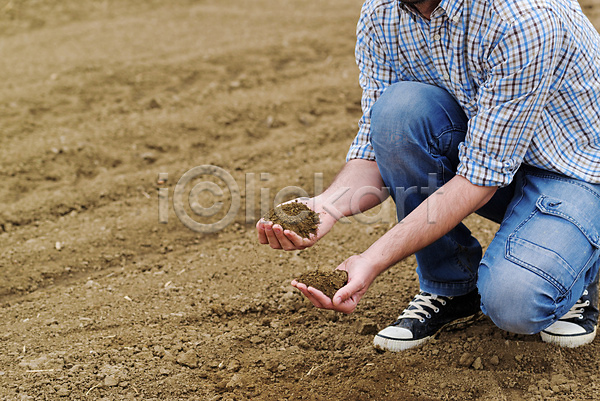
(236, 381)
(168, 356)
(153, 104)
(63, 392)
(233, 365)
(326, 281)
(466, 359)
(189, 359)
(110, 381)
(296, 217)
(366, 327)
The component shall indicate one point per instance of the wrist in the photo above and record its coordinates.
(326, 208)
(369, 269)
(378, 258)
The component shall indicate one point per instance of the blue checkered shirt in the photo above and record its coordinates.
(526, 73)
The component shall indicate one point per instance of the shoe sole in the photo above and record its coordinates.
(382, 343)
(568, 341)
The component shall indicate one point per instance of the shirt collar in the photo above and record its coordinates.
(452, 8)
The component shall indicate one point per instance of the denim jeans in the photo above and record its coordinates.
(547, 248)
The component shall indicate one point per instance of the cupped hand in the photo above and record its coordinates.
(360, 277)
(277, 238)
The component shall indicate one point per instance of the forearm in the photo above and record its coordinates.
(358, 187)
(431, 220)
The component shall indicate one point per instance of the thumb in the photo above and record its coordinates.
(346, 292)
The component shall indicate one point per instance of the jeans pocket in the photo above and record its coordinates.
(558, 242)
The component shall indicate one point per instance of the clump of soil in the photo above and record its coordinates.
(326, 281)
(294, 216)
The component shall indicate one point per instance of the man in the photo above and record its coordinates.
(498, 102)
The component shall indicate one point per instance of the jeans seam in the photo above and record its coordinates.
(509, 212)
(572, 181)
(470, 285)
(534, 269)
(444, 131)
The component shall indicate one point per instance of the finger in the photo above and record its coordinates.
(273, 241)
(347, 306)
(345, 296)
(298, 241)
(302, 199)
(283, 240)
(321, 298)
(304, 289)
(260, 229)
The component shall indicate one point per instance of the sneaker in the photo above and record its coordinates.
(426, 316)
(578, 326)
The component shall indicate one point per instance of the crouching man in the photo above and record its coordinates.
(498, 100)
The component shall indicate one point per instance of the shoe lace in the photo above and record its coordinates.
(416, 307)
(576, 311)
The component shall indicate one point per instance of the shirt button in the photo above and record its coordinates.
(455, 19)
(446, 76)
(436, 37)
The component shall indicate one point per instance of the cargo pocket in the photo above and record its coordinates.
(557, 242)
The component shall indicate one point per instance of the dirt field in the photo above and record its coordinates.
(98, 300)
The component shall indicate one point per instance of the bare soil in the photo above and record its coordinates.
(98, 300)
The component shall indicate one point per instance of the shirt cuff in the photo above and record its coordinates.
(363, 151)
(485, 170)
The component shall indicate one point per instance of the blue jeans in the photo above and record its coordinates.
(547, 248)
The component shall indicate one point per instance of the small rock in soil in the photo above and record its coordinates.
(110, 381)
(466, 359)
(63, 392)
(169, 357)
(189, 359)
(558, 379)
(236, 381)
(257, 340)
(159, 351)
(233, 365)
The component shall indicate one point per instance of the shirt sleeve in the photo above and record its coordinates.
(376, 74)
(522, 72)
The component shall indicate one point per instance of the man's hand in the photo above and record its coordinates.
(277, 238)
(347, 195)
(360, 277)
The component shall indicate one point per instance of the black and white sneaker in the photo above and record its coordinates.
(426, 316)
(578, 326)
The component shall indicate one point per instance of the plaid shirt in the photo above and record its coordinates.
(526, 73)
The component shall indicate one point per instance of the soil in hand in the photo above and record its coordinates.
(326, 281)
(294, 216)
